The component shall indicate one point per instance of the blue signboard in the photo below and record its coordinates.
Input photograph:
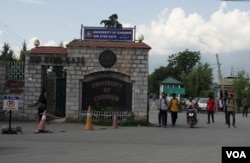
(10, 102)
(6, 97)
(108, 34)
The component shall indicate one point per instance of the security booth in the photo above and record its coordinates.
(170, 86)
(109, 73)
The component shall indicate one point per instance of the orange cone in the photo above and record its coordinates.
(88, 125)
(41, 126)
(115, 124)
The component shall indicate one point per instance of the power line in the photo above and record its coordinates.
(9, 36)
(8, 39)
(12, 32)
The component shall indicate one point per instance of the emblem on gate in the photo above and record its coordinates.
(107, 58)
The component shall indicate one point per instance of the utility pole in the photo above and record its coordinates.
(220, 78)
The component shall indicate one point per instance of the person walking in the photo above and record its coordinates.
(210, 109)
(220, 104)
(231, 109)
(42, 104)
(225, 97)
(174, 108)
(245, 106)
(163, 108)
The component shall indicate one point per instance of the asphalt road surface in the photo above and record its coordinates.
(70, 143)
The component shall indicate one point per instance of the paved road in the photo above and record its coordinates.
(70, 143)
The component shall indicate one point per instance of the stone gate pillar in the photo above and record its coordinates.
(124, 61)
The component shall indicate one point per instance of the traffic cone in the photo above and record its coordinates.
(41, 126)
(115, 124)
(88, 125)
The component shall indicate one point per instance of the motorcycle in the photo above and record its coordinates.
(192, 117)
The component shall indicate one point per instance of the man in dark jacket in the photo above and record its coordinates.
(42, 104)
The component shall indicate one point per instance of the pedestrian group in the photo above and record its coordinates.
(226, 104)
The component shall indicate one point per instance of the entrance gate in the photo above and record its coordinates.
(122, 64)
(56, 95)
(108, 94)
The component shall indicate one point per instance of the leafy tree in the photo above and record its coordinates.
(61, 44)
(112, 22)
(23, 51)
(156, 78)
(182, 62)
(7, 54)
(241, 85)
(199, 81)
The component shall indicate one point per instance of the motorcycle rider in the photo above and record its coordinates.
(191, 105)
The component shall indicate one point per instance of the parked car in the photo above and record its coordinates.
(183, 101)
(202, 104)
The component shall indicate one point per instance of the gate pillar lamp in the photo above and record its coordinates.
(140, 38)
(36, 43)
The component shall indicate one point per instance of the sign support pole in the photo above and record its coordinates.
(9, 130)
(10, 103)
(10, 112)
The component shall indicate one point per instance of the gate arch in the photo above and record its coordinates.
(107, 91)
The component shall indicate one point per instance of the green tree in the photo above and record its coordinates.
(61, 44)
(112, 22)
(23, 51)
(241, 84)
(7, 54)
(182, 62)
(199, 81)
(156, 78)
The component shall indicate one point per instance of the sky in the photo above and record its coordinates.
(168, 26)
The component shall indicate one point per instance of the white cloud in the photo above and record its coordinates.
(30, 43)
(173, 31)
(51, 43)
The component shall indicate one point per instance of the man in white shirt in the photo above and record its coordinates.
(163, 111)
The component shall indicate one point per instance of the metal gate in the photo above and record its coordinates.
(107, 94)
(60, 97)
(56, 95)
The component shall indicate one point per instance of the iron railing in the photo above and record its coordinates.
(14, 71)
(108, 115)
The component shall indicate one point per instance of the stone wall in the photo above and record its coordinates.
(33, 86)
(2, 82)
(17, 114)
(130, 62)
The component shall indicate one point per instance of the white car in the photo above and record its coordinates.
(202, 103)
